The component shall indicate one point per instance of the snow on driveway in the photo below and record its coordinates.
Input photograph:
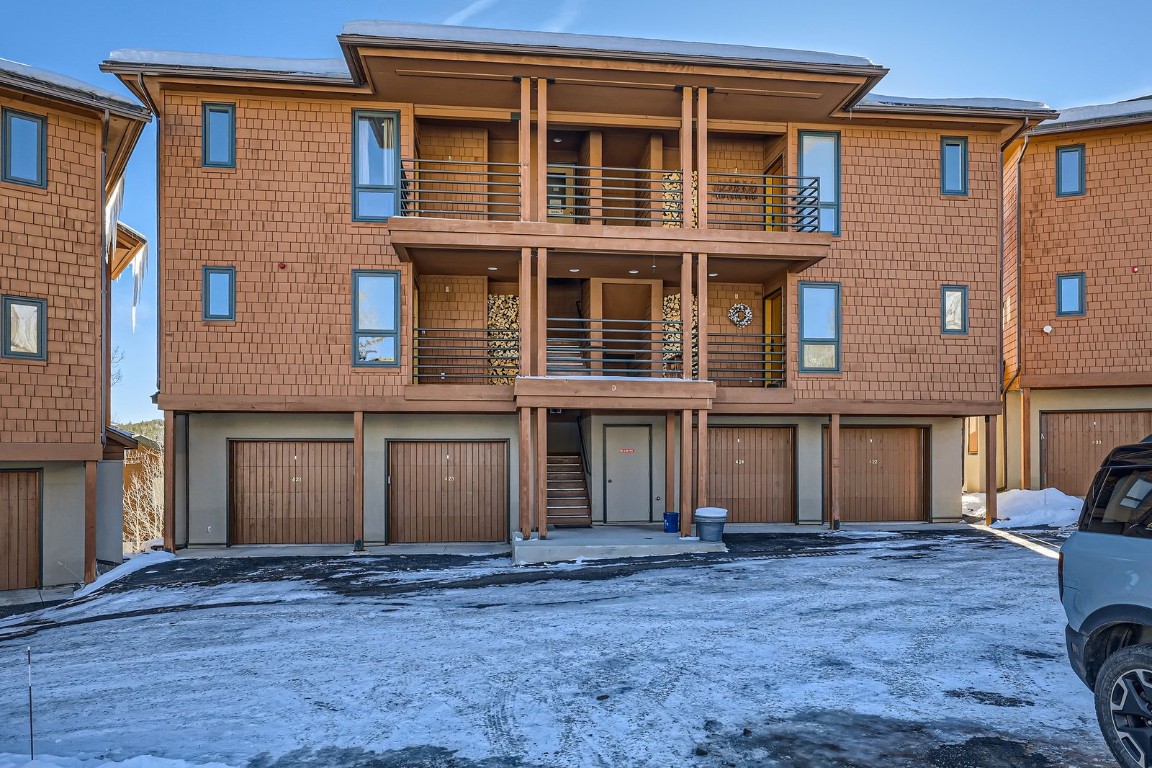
(905, 650)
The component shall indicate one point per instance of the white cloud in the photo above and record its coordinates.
(568, 12)
(470, 10)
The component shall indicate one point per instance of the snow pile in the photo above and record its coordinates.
(1033, 509)
(143, 761)
(137, 563)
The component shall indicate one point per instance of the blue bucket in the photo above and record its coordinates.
(671, 522)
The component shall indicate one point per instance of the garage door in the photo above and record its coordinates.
(883, 474)
(19, 530)
(752, 473)
(447, 491)
(1072, 445)
(291, 492)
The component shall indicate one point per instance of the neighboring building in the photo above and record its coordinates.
(436, 290)
(63, 148)
(1077, 336)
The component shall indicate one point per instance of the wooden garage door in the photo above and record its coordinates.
(752, 473)
(1072, 445)
(883, 474)
(19, 530)
(447, 491)
(291, 492)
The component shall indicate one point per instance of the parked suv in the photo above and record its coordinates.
(1106, 588)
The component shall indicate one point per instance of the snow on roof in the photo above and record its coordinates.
(16, 73)
(1133, 110)
(606, 43)
(334, 69)
(1007, 105)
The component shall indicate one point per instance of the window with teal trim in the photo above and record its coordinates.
(954, 309)
(23, 148)
(954, 165)
(375, 165)
(218, 136)
(219, 293)
(375, 318)
(1070, 290)
(819, 327)
(820, 159)
(1070, 171)
(24, 328)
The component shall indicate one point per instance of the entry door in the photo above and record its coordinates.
(627, 474)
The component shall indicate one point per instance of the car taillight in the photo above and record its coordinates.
(1060, 574)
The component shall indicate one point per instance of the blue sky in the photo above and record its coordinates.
(1057, 52)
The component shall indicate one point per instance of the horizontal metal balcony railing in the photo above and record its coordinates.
(755, 202)
(584, 194)
(465, 356)
(746, 360)
(601, 347)
(460, 189)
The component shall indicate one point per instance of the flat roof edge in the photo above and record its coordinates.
(954, 111)
(224, 73)
(124, 108)
(1092, 123)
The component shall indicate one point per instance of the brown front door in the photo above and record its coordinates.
(447, 490)
(19, 530)
(883, 474)
(291, 491)
(1072, 444)
(752, 473)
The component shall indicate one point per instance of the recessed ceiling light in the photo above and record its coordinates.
(573, 271)
(633, 271)
(557, 139)
(713, 274)
(492, 269)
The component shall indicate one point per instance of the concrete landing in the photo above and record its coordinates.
(607, 542)
(331, 550)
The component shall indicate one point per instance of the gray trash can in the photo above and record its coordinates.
(710, 523)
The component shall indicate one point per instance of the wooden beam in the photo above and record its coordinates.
(1026, 438)
(525, 312)
(542, 471)
(595, 177)
(358, 479)
(526, 463)
(541, 149)
(169, 481)
(51, 451)
(990, 469)
(1080, 380)
(623, 388)
(685, 472)
(524, 144)
(90, 498)
(702, 458)
(702, 158)
(540, 302)
(686, 155)
(669, 461)
(687, 298)
(834, 471)
(702, 313)
(811, 406)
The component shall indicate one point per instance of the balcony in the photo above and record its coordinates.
(746, 360)
(579, 346)
(764, 203)
(628, 197)
(460, 189)
(465, 356)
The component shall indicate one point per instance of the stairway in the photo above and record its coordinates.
(565, 358)
(568, 502)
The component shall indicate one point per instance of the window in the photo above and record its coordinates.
(1070, 171)
(820, 158)
(218, 142)
(375, 318)
(1120, 503)
(954, 309)
(219, 293)
(375, 165)
(954, 165)
(973, 435)
(820, 327)
(1070, 294)
(24, 146)
(24, 327)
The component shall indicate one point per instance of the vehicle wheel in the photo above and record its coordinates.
(1124, 705)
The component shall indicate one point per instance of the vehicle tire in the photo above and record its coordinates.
(1124, 705)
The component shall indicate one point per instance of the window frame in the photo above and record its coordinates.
(206, 109)
(835, 136)
(801, 339)
(357, 331)
(205, 303)
(357, 187)
(6, 117)
(1082, 179)
(944, 291)
(1083, 280)
(962, 143)
(6, 350)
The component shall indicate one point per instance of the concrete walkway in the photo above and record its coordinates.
(607, 542)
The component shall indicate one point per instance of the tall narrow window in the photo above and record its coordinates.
(954, 165)
(1070, 290)
(219, 293)
(1070, 171)
(820, 327)
(954, 309)
(219, 135)
(23, 149)
(375, 318)
(24, 327)
(820, 159)
(375, 166)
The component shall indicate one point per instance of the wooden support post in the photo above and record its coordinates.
(990, 469)
(669, 461)
(170, 481)
(541, 303)
(686, 301)
(542, 149)
(90, 499)
(834, 471)
(358, 480)
(686, 155)
(702, 159)
(542, 471)
(525, 312)
(595, 177)
(685, 473)
(524, 144)
(526, 461)
(701, 458)
(1026, 438)
(702, 315)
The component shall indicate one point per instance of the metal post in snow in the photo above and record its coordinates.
(31, 733)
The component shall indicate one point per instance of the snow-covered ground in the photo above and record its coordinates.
(900, 650)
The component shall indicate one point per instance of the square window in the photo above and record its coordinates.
(219, 293)
(218, 146)
(24, 327)
(954, 165)
(820, 159)
(820, 327)
(1070, 171)
(375, 165)
(1070, 294)
(23, 149)
(954, 309)
(375, 318)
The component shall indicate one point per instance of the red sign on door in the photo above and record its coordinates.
(627, 450)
